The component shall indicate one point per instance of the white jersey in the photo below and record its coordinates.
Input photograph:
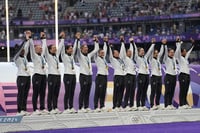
(183, 61)
(170, 63)
(142, 60)
(118, 63)
(85, 60)
(38, 60)
(155, 62)
(130, 66)
(22, 62)
(68, 60)
(101, 63)
(52, 60)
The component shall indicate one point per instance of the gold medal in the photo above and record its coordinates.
(25, 69)
(72, 68)
(57, 67)
(106, 67)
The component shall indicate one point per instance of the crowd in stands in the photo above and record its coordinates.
(102, 8)
(121, 8)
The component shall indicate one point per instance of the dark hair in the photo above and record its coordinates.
(67, 47)
(100, 50)
(114, 50)
(169, 49)
(83, 45)
(139, 48)
(183, 49)
(50, 46)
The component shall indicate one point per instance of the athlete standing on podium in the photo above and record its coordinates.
(156, 76)
(170, 77)
(84, 59)
(23, 77)
(54, 78)
(69, 79)
(143, 76)
(39, 76)
(101, 78)
(130, 78)
(182, 56)
(117, 62)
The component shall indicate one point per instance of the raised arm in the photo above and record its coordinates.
(96, 47)
(19, 52)
(135, 52)
(77, 51)
(110, 54)
(105, 48)
(131, 49)
(164, 42)
(45, 50)
(189, 52)
(178, 50)
(161, 52)
(75, 46)
(32, 49)
(150, 52)
(28, 35)
(61, 44)
(122, 53)
(60, 47)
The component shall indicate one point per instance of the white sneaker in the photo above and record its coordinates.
(154, 107)
(116, 109)
(97, 110)
(57, 111)
(72, 110)
(128, 108)
(104, 109)
(67, 111)
(44, 112)
(22, 113)
(160, 107)
(88, 110)
(168, 107)
(172, 107)
(36, 112)
(121, 109)
(82, 110)
(140, 108)
(53, 112)
(188, 106)
(145, 108)
(134, 108)
(182, 107)
(27, 113)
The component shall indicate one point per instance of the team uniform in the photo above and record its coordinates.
(156, 78)
(101, 80)
(184, 76)
(38, 80)
(69, 77)
(54, 78)
(130, 79)
(119, 78)
(143, 77)
(85, 76)
(169, 79)
(23, 79)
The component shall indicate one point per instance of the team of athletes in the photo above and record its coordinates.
(132, 67)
